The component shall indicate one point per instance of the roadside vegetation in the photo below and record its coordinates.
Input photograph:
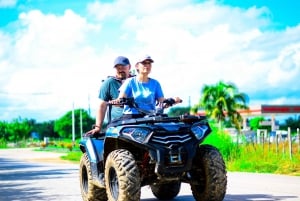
(221, 103)
(253, 157)
(243, 157)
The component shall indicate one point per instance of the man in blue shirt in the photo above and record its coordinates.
(109, 91)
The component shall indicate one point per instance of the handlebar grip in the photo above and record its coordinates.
(169, 101)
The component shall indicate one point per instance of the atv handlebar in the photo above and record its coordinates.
(122, 101)
(127, 101)
(132, 104)
(171, 101)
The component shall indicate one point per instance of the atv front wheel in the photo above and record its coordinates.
(89, 191)
(122, 177)
(209, 180)
(166, 191)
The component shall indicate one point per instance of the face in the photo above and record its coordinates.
(144, 67)
(122, 72)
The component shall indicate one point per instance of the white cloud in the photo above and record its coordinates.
(287, 67)
(52, 61)
(49, 40)
(65, 57)
(7, 3)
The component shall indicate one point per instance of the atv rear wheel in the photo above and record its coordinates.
(122, 177)
(166, 191)
(89, 191)
(208, 175)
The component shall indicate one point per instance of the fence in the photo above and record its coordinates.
(282, 139)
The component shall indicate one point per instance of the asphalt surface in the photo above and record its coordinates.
(39, 176)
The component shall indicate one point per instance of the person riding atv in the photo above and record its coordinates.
(155, 150)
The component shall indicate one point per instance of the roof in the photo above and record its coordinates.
(266, 109)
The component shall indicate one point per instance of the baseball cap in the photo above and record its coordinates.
(121, 60)
(144, 58)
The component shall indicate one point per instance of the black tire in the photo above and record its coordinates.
(89, 191)
(166, 191)
(209, 175)
(122, 177)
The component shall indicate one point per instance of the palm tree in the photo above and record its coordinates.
(223, 100)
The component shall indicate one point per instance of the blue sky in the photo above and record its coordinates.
(281, 13)
(55, 53)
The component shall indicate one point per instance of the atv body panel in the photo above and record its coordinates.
(162, 152)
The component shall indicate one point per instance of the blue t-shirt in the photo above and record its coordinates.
(109, 91)
(145, 94)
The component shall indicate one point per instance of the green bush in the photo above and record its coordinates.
(3, 143)
(224, 143)
(73, 156)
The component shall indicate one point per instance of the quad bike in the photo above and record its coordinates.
(155, 150)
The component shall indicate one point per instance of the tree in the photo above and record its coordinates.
(19, 129)
(3, 131)
(255, 123)
(63, 126)
(293, 123)
(222, 101)
(45, 129)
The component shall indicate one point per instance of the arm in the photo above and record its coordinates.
(100, 115)
(167, 102)
(117, 101)
(122, 94)
(101, 111)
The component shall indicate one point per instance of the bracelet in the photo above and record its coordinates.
(96, 126)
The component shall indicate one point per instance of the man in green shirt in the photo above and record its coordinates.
(109, 90)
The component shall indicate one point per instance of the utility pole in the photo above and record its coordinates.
(81, 123)
(89, 104)
(73, 126)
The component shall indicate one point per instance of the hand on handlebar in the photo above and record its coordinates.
(177, 100)
(122, 101)
(171, 101)
(114, 102)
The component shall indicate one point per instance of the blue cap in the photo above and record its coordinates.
(120, 60)
(144, 58)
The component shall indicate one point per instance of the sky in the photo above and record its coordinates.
(54, 54)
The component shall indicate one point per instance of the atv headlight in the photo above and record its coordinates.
(137, 133)
(199, 130)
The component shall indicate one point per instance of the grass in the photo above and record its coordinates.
(267, 158)
(240, 158)
(256, 158)
(246, 158)
(73, 156)
(73, 153)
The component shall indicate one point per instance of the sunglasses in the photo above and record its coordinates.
(146, 62)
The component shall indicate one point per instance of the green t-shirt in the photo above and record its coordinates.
(109, 90)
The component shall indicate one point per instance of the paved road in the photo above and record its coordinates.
(39, 176)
